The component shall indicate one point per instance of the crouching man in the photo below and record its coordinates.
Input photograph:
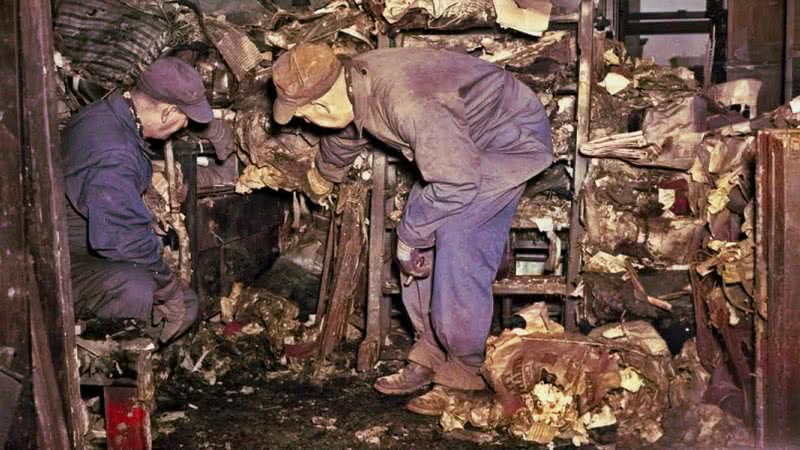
(477, 135)
(117, 270)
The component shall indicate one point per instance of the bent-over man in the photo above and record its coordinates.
(477, 135)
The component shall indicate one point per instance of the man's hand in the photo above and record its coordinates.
(318, 188)
(220, 134)
(414, 262)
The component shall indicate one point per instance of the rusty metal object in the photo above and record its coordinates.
(779, 162)
(127, 422)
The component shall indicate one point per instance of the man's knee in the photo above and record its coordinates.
(131, 292)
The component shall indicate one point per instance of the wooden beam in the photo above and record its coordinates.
(14, 292)
(54, 332)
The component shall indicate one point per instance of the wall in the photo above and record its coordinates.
(755, 46)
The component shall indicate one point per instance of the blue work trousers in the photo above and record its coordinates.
(452, 310)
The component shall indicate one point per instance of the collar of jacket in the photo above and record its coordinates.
(359, 88)
(124, 114)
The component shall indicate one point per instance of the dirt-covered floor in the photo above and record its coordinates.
(283, 409)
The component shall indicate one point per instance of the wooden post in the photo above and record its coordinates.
(580, 164)
(788, 68)
(779, 287)
(37, 318)
(14, 320)
(370, 349)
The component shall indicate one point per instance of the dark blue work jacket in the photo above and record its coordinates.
(106, 170)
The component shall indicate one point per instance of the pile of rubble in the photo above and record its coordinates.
(668, 208)
(618, 384)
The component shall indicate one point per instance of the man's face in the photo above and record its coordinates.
(170, 119)
(324, 115)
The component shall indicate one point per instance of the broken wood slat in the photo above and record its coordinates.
(581, 164)
(761, 291)
(327, 266)
(530, 285)
(370, 349)
(351, 206)
(779, 162)
(47, 224)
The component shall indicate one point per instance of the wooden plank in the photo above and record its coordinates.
(13, 287)
(47, 222)
(369, 350)
(780, 151)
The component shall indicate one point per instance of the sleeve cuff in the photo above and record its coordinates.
(330, 172)
(412, 239)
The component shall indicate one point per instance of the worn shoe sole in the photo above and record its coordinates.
(387, 390)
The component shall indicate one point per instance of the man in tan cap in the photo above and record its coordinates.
(477, 135)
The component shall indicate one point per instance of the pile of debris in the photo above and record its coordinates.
(249, 335)
(668, 207)
(618, 384)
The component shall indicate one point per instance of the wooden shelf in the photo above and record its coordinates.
(522, 285)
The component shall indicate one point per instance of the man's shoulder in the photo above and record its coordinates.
(97, 128)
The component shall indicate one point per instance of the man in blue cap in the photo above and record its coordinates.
(117, 270)
(477, 135)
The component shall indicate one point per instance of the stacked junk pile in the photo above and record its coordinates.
(667, 206)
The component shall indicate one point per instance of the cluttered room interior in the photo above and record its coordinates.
(405, 224)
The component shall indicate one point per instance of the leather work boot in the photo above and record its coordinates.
(431, 403)
(411, 378)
